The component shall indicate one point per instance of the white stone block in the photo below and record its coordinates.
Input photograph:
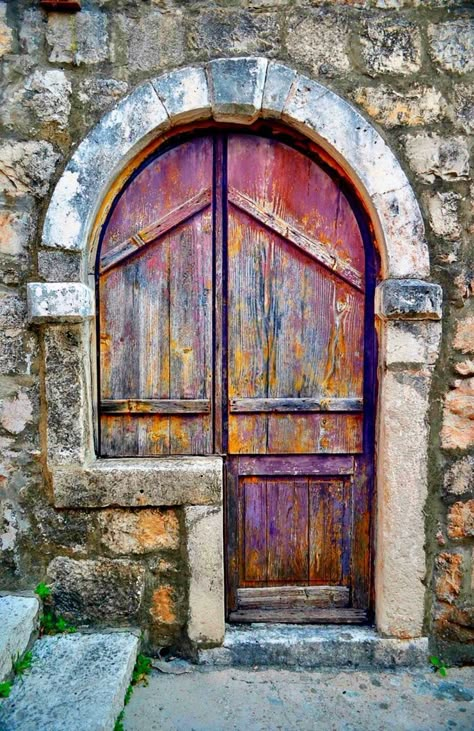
(236, 86)
(99, 158)
(60, 302)
(204, 527)
(185, 94)
(18, 621)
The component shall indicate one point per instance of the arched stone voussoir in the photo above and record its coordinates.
(241, 90)
(113, 142)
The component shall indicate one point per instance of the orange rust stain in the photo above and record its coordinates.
(157, 529)
(163, 605)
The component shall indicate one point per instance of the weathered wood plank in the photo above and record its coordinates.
(253, 405)
(296, 465)
(155, 406)
(155, 230)
(287, 529)
(327, 538)
(253, 496)
(293, 596)
(316, 249)
(305, 615)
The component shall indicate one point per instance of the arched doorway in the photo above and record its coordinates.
(235, 280)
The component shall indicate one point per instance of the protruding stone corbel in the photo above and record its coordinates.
(59, 302)
(408, 299)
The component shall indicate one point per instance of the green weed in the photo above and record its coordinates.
(119, 722)
(43, 590)
(21, 664)
(5, 688)
(52, 624)
(439, 666)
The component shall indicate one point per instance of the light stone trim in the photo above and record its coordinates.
(60, 302)
(408, 299)
(242, 90)
(204, 532)
(139, 482)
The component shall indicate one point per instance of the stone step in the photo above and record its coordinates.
(18, 622)
(312, 646)
(76, 682)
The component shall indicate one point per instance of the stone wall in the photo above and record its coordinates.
(408, 65)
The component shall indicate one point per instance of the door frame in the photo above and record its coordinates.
(242, 90)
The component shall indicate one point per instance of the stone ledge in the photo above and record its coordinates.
(139, 482)
(18, 620)
(60, 302)
(309, 646)
(408, 299)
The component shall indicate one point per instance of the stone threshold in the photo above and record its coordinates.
(313, 646)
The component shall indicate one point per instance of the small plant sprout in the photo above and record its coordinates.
(5, 689)
(439, 666)
(141, 670)
(21, 664)
(43, 590)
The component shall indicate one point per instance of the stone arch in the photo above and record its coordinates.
(241, 90)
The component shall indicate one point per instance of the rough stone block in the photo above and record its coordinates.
(443, 209)
(461, 520)
(391, 45)
(6, 33)
(206, 623)
(16, 412)
(463, 110)
(139, 531)
(97, 96)
(236, 86)
(449, 571)
(411, 344)
(140, 483)
(98, 159)
(459, 479)
(75, 682)
(409, 299)
(60, 302)
(80, 38)
(458, 416)
(184, 94)
(418, 106)
(215, 32)
(319, 39)
(432, 156)
(154, 41)
(277, 87)
(464, 336)
(97, 591)
(66, 395)
(452, 45)
(48, 96)
(18, 620)
(60, 266)
(27, 167)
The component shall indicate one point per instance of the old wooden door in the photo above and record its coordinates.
(235, 283)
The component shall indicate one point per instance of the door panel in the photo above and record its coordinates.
(156, 302)
(235, 299)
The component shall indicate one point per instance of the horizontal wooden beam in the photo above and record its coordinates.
(274, 597)
(304, 464)
(322, 253)
(156, 229)
(307, 615)
(155, 406)
(291, 405)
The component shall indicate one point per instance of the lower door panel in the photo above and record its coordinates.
(290, 558)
